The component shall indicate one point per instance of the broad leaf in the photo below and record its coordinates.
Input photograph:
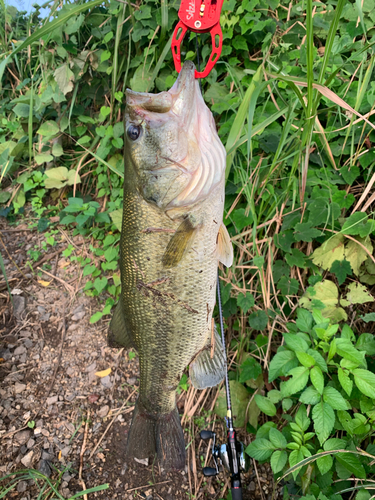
(260, 449)
(324, 418)
(281, 364)
(265, 405)
(365, 381)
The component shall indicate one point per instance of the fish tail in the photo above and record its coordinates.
(141, 437)
(170, 444)
(157, 434)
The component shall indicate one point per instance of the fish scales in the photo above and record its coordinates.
(172, 239)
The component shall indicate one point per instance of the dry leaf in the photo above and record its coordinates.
(44, 283)
(59, 457)
(103, 373)
(63, 263)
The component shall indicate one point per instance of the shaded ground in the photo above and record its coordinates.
(57, 414)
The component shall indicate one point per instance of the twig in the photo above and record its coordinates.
(110, 424)
(83, 449)
(147, 486)
(63, 333)
(67, 286)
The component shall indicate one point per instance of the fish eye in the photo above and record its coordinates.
(134, 131)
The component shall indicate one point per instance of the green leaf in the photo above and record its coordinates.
(341, 269)
(116, 217)
(304, 232)
(304, 320)
(356, 254)
(365, 381)
(281, 364)
(277, 438)
(334, 444)
(310, 396)
(305, 359)
(57, 149)
(324, 464)
(22, 110)
(242, 218)
(334, 399)
(89, 269)
(96, 317)
(64, 77)
(288, 286)
(346, 349)
(296, 259)
(48, 128)
(258, 320)
(319, 360)
(260, 449)
(366, 342)
(317, 379)
(240, 400)
(295, 342)
(278, 460)
(265, 405)
(43, 158)
(330, 251)
(357, 224)
(250, 369)
(100, 284)
(284, 240)
(345, 381)
(324, 418)
(358, 294)
(244, 302)
(352, 463)
(300, 377)
(369, 317)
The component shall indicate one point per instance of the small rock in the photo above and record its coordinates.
(252, 486)
(18, 388)
(106, 382)
(19, 306)
(21, 486)
(46, 456)
(78, 316)
(30, 443)
(44, 467)
(65, 451)
(27, 459)
(103, 412)
(70, 371)
(143, 461)
(20, 350)
(78, 309)
(66, 477)
(52, 400)
(22, 437)
(91, 367)
(131, 381)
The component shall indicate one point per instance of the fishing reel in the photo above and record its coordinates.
(232, 456)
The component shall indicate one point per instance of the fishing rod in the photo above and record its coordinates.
(206, 19)
(232, 454)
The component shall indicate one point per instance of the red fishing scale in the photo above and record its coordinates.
(199, 16)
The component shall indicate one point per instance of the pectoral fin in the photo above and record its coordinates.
(119, 334)
(180, 243)
(205, 371)
(224, 247)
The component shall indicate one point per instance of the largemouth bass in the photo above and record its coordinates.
(171, 242)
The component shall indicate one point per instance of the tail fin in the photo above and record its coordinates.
(170, 444)
(162, 435)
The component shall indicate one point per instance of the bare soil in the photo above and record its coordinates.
(57, 414)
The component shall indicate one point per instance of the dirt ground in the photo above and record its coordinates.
(57, 414)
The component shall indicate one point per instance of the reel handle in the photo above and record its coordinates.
(210, 471)
(206, 434)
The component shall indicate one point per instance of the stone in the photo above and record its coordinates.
(103, 412)
(27, 460)
(30, 443)
(20, 350)
(22, 486)
(65, 451)
(19, 306)
(106, 382)
(18, 388)
(251, 486)
(47, 456)
(91, 367)
(78, 316)
(52, 400)
(22, 437)
(44, 467)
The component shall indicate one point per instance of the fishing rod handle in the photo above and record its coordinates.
(236, 493)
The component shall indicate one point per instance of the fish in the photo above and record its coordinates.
(172, 241)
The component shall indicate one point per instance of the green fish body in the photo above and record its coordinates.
(172, 239)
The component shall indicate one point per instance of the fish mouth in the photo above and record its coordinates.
(179, 99)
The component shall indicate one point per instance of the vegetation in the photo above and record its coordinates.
(293, 97)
